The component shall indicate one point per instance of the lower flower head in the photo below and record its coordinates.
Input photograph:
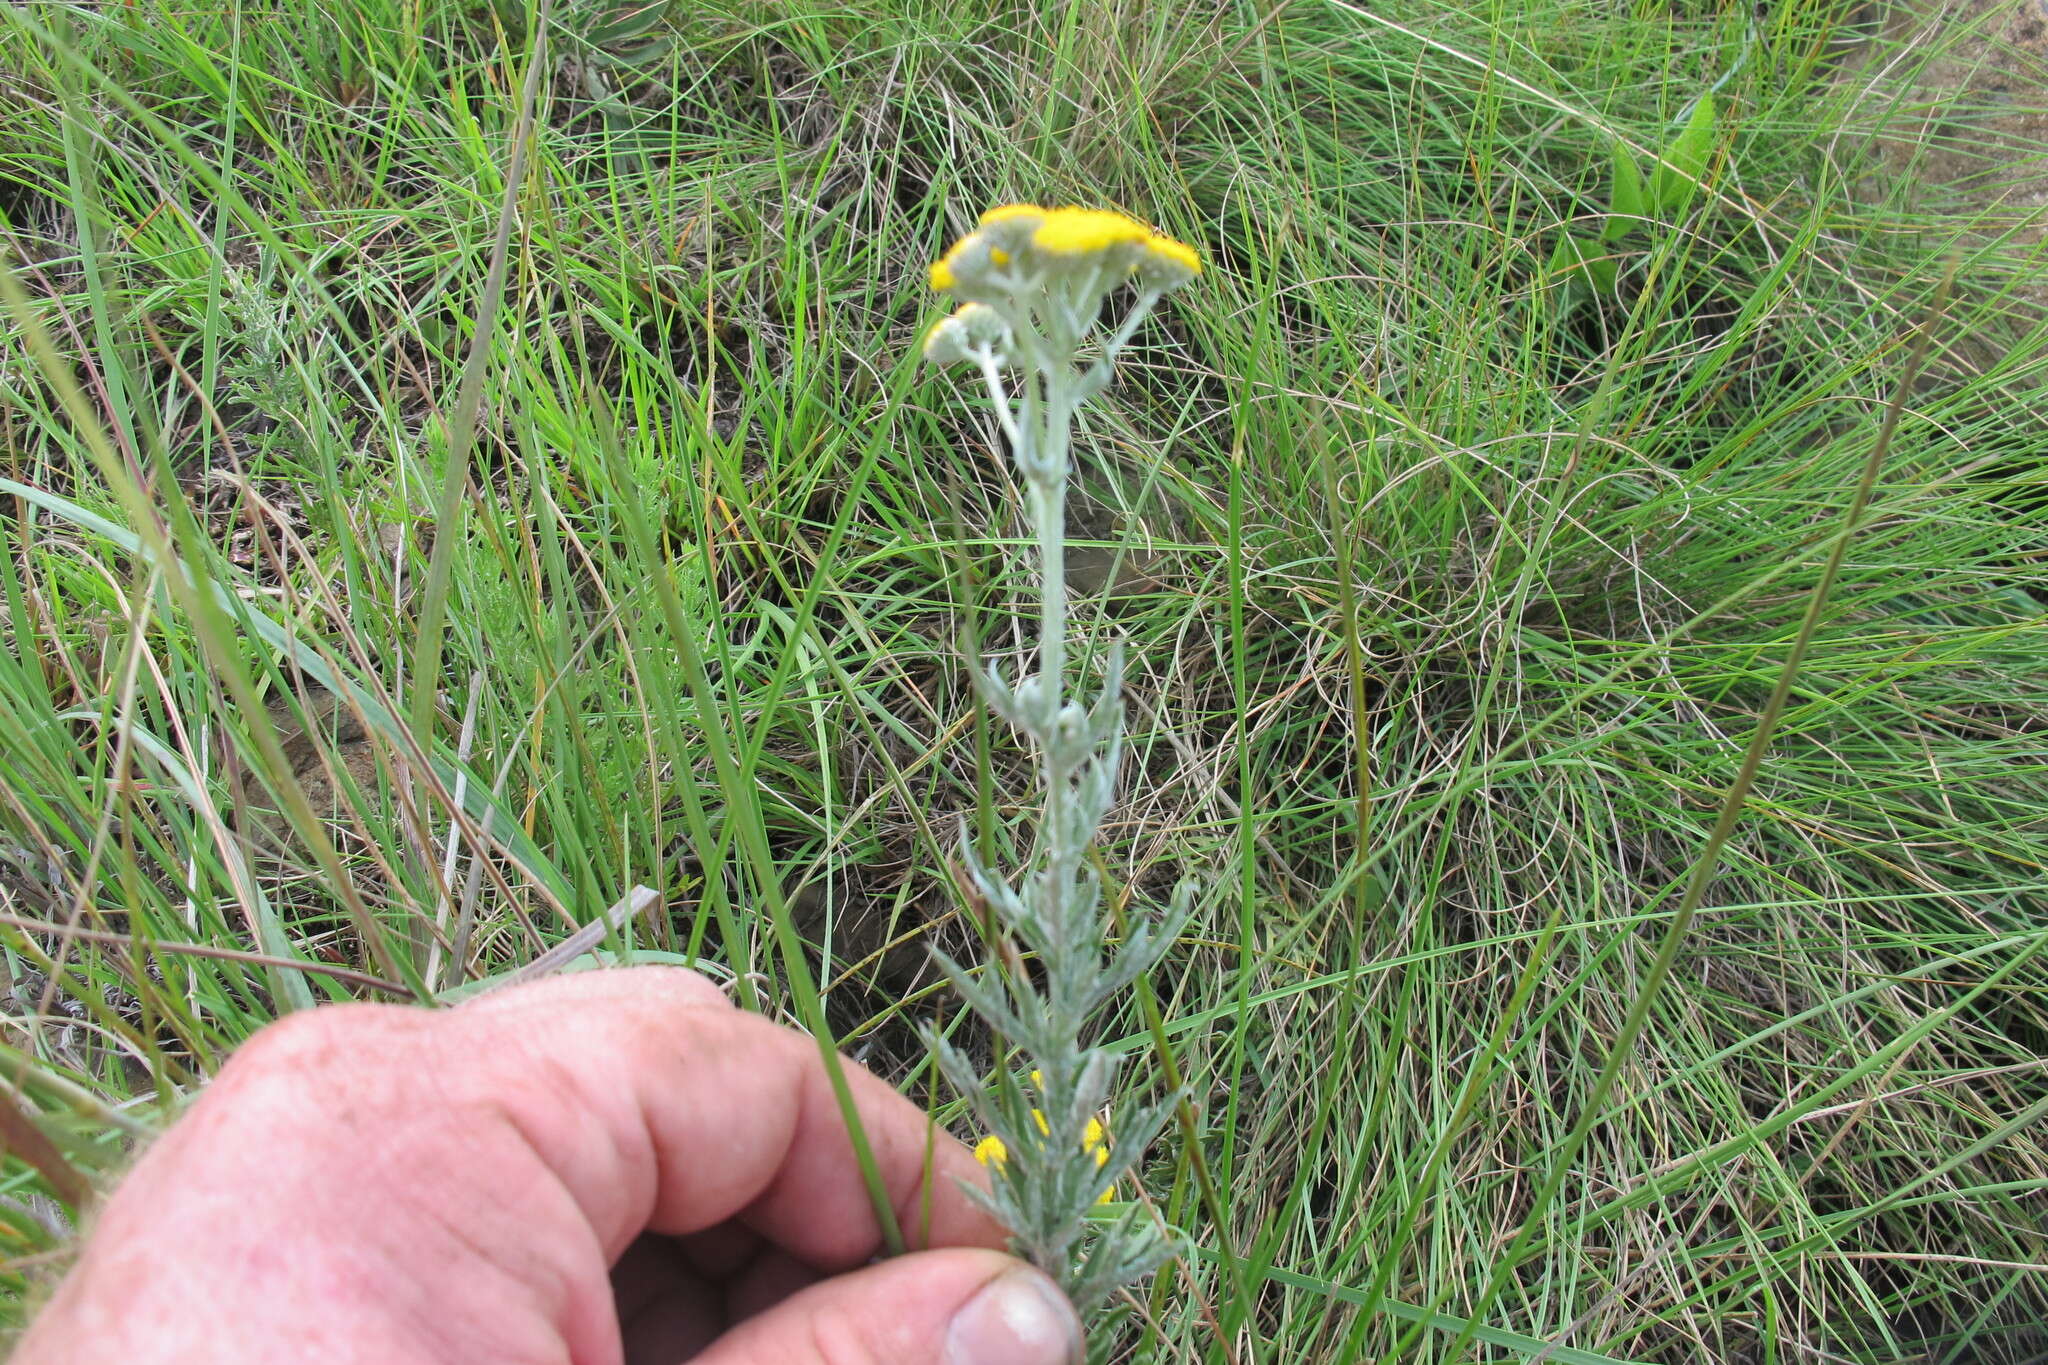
(994, 1153)
(967, 259)
(965, 333)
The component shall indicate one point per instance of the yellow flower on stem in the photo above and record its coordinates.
(1011, 213)
(994, 1154)
(1026, 246)
(1167, 262)
(1076, 231)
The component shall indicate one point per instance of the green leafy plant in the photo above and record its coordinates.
(1637, 205)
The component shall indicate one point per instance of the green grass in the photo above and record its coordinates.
(1453, 608)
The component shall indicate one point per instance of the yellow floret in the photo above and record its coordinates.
(1167, 250)
(1082, 232)
(991, 1152)
(1003, 213)
(946, 271)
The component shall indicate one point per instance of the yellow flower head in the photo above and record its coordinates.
(1043, 244)
(1096, 1141)
(1013, 213)
(1074, 231)
(1008, 227)
(1169, 259)
(1177, 253)
(946, 342)
(964, 256)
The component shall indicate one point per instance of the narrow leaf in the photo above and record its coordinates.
(1627, 203)
(1685, 160)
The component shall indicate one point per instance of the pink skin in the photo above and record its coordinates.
(603, 1168)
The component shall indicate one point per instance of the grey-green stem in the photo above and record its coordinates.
(1048, 1190)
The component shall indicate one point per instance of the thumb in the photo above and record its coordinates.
(929, 1308)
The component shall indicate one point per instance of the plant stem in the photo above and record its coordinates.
(1045, 472)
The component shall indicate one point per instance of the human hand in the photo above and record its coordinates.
(608, 1167)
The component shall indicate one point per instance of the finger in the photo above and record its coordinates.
(659, 1109)
(572, 990)
(929, 1308)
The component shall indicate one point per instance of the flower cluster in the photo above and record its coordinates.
(1032, 280)
(994, 1153)
(968, 333)
(1017, 242)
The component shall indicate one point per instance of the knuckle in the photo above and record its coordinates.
(305, 1048)
(366, 1088)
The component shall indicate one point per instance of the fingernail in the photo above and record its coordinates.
(1018, 1318)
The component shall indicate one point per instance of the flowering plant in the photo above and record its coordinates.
(1033, 283)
